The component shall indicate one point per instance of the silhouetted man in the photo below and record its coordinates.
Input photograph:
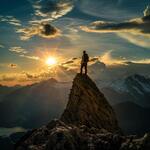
(84, 61)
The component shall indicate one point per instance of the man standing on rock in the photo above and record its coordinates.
(84, 61)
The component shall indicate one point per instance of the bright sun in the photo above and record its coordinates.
(51, 61)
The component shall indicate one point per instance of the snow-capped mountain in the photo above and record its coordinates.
(139, 87)
(135, 88)
(138, 84)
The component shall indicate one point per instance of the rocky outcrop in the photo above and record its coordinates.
(59, 136)
(88, 106)
(88, 123)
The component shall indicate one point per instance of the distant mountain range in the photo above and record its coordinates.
(135, 88)
(33, 105)
(130, 98)
(5, 90)
(139, 87)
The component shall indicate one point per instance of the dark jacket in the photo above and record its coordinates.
(85, 58)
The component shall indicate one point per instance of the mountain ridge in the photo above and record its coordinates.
(68, 135)
(29, 103)
(88, 106)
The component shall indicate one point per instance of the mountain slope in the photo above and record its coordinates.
(33, 105)
(134, 88)
(132, 118)
(139, 88)
(115, 97)
(88, 106)
(74, 133)
(5, 90)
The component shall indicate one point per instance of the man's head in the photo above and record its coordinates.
(84, 52)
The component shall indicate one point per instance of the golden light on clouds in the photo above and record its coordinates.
(109, 60)
(51, 61)
(49, 56)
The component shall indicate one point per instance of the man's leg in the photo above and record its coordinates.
(81, 68)
(85, 66)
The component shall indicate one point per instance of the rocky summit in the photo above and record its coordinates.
(88, 106)
(88, 123)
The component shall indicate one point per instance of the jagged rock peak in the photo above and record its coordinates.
(83, 125)
(88, 106)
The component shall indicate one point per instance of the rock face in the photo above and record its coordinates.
(59, 136)
(88, 123)
(88, 106)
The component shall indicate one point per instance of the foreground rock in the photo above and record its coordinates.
(59, 136)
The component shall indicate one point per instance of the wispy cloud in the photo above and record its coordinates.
(109, 60)
(12, 65)
(10, 20)
(23, 53)
(9, 65)
(30, 57)
(112, 9)
(52, 9)
(18, 49)
(142, 61)
(7, 77)
(147, 11)
(138, 40)
(2, 46)
(135, 26)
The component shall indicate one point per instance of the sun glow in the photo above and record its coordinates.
(51, 61)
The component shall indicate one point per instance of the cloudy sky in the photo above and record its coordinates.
(113, 32)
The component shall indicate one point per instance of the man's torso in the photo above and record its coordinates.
(85, 58)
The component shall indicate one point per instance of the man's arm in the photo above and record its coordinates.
(87, 57)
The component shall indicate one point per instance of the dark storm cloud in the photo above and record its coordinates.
(136, 26)
(48, 30)
(42, 30)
